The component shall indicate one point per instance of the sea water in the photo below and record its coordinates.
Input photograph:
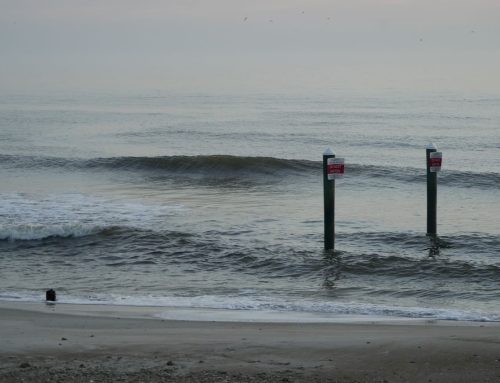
(210, 201)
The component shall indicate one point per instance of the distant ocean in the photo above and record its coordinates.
(215, 202)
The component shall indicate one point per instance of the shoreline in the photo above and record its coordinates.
(194, 314)
(72, 343)
(215, 314)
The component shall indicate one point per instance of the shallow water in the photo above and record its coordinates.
(216, 202)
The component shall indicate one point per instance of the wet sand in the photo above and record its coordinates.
(70, 343)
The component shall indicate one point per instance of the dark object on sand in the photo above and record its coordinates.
(50, 295)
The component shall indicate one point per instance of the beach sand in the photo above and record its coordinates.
(71, 343)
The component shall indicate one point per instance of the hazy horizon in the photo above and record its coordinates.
(241, 46)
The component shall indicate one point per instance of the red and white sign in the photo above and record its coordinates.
(334, 168)
(435, 161)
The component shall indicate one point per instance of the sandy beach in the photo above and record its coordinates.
(71, 343)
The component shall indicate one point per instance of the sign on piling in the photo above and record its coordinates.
(332, 168)
(335, 168)
(435, 161)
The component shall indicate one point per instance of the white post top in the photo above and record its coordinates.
(431, 146)
(328, 152)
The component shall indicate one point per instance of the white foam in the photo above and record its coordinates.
(33, 232)
(211, 315)
(26, 217)
(237, 308)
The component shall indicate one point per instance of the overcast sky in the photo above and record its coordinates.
(250, 45)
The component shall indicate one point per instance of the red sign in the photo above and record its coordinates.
(335, 168)
(435, 161)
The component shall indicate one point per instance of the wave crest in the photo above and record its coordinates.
(39, 232)
(229, 166)
(213, 164)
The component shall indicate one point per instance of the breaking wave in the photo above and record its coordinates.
(228, 166)
(39, 232)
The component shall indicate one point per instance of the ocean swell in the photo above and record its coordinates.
(246, 168)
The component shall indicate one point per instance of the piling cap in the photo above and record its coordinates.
(431, 146)
(328, 152)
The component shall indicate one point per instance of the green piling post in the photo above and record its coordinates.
(433, 165)
(329, 202)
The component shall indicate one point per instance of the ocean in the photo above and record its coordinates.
(214, 202)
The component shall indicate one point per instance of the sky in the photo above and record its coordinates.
(249, 45)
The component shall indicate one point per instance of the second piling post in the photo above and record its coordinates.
(433, 165)
(329, 202)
